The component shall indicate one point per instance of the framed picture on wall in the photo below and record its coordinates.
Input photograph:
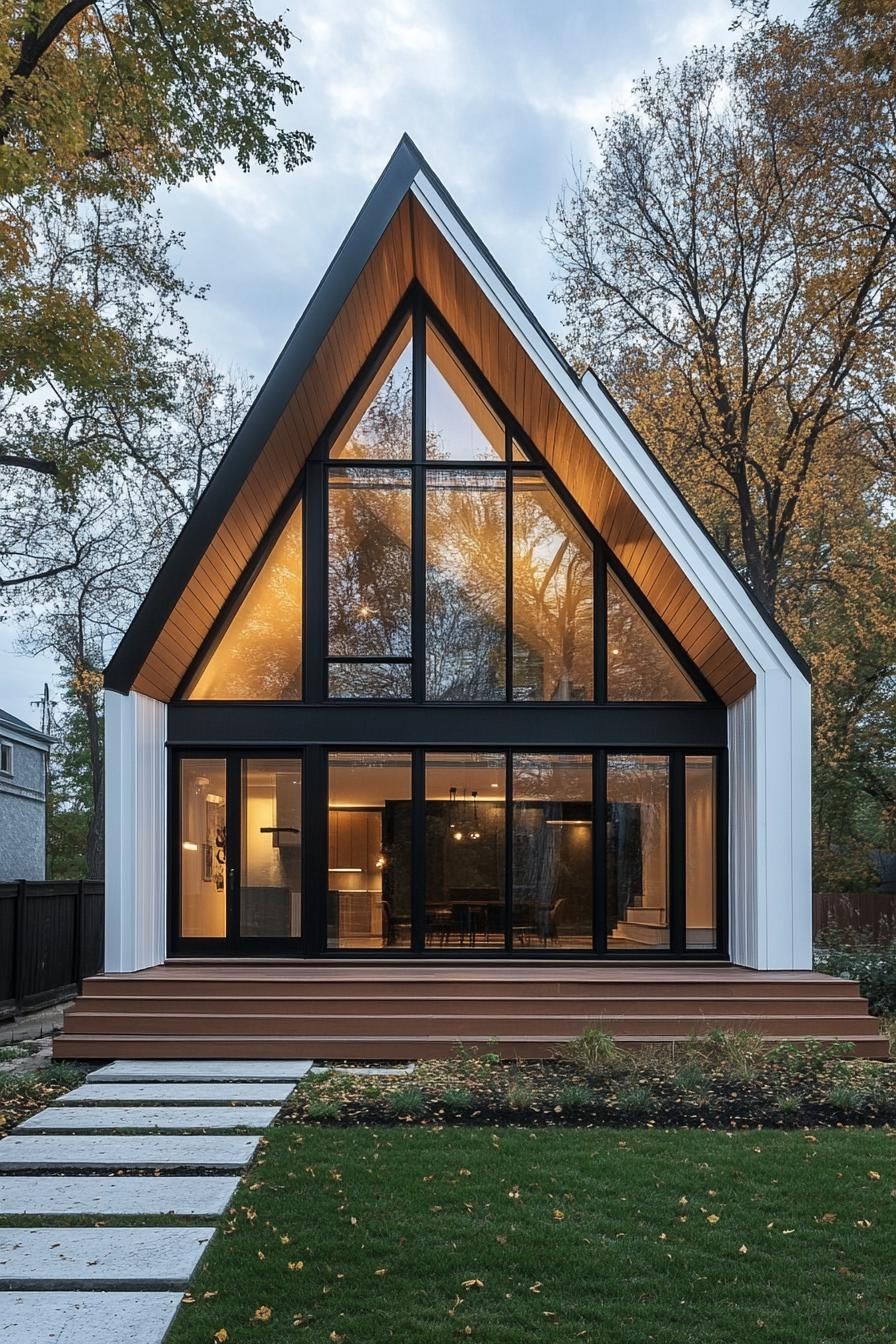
(207, 863)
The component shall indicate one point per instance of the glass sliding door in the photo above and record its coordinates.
(637, 873)
(701, 863)
(203, 843)
(465, 850)
(369, 850)
(552, 868)
(237, 876)
(270, 892)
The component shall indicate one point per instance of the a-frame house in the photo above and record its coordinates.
(443, 686)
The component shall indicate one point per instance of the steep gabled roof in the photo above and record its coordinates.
(408, 230)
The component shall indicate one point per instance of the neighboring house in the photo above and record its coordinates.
(443, 672)
(24, 756)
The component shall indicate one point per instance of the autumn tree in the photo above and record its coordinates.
(102, 104)
(728, 263)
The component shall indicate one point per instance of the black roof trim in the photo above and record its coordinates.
(294, 359)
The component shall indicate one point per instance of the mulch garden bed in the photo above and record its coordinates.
(711, 1083)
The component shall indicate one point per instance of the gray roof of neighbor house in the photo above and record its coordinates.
(8, 720)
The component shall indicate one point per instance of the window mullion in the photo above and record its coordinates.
(508, 568)
(418, 507)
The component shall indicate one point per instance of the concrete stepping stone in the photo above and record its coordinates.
(184, 1196)
(201, 1070)
(177, 1093)
(179, 1119)
(105, 1152)
(85, 1318)
(100, 1257)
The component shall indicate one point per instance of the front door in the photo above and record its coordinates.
(238, 861)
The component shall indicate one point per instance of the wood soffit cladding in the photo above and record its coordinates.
(412, 248)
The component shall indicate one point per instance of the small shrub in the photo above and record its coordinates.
(847, 1098)
(690, 1077)
(592, 1051)
(457, 1098)
(574, 1095)
(407, 1101)
(789, 1104)
(519, 1094)
(319, 1109)
(740, 1055)
(873, 966)
(636, 1100)
(372, 1090)
(808, 1058)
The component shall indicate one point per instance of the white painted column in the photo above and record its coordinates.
(770, 825)
(136, 826)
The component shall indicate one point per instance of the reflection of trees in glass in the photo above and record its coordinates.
(552, 863)
(384, 430)
(553, 598)
(370, 562)
(258, 656)
(465, 635)
(639, 666)
(370, 681)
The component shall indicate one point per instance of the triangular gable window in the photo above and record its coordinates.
(460, 425)
(639, 664)
(379, 430)
(258, 655)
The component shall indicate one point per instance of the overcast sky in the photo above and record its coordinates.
(500, 97)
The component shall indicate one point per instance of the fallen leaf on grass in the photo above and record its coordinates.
(220, 1337)
(558, 1215)
(381, 1272)
(712, 1219)
(874, 1175)
(262, 1314)
(472, 1283)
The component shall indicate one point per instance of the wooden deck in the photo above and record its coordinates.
(415, 1010)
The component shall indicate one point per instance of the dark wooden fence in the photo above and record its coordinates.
(874, 911)
(51, 937)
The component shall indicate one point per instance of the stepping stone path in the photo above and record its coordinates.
(125, 1282)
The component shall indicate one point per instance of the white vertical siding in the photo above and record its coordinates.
(136, 823)
(769, 829)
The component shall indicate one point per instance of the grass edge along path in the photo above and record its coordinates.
(433, 1235)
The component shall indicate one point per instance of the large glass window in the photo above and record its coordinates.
(465, 850)
(639, 665)
(700, 851)
(203, 847)
(271, 848)
(380, 428)
(369, 578)
(552, 837)
(460, 424)
(465, 593)
(552, 596)
(258, 655)
(369, 850)
(637, 852)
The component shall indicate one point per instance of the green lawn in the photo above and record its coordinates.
(429, 1236)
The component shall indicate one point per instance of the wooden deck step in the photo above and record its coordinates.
(872, 1046)
(417, 1009)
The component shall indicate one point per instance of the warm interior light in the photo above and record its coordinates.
(567, 823)
(213, 798)
(188, 844)
(458, 835)
(345, 870)
(615, 651)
